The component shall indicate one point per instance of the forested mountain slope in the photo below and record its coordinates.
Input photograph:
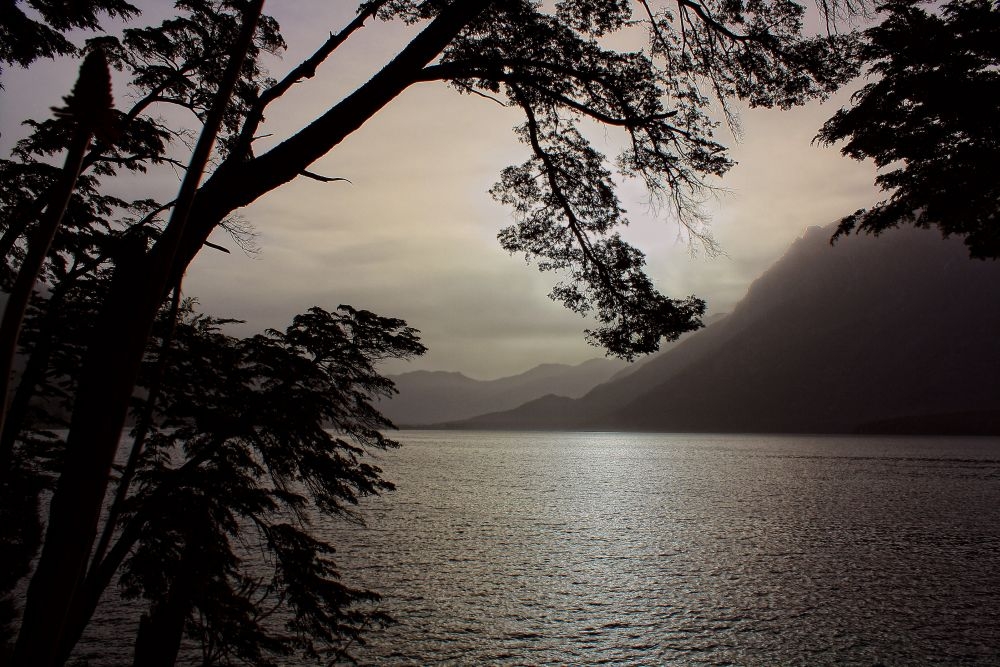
(899, 333)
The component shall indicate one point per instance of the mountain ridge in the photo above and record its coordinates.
(871, 333)
(426, 396)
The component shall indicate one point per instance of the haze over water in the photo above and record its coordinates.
(542, 548)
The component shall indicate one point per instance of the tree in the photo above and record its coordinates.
(89, 107)
(212, 515)
(61, 566)
(24, 39)
(929, 121)
(552, 64)
(213, 489)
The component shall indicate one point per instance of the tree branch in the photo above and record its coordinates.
(461, 70)
(324, 179)
(707, 18)
(618, 121)
(304, 70)
(550, 171)
(238, 183)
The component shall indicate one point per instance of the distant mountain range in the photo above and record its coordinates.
(428, 397)
(895, 334)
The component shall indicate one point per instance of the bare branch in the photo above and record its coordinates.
(217, 247)
(479, 93)
(305, 70)
(622, 121)
(242, 233)
(707, 18)
(323, 179)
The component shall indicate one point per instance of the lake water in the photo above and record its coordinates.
(600, 548)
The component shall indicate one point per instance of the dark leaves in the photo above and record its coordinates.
(276, 435)
(24, 39)
(929, 122)
(594, 17)
(558, 68)
(90, 106)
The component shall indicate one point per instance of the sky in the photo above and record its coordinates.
(413, 235)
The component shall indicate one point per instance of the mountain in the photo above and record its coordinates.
(427, 397)
(894, 334)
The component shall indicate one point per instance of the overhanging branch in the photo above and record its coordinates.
(304, 70)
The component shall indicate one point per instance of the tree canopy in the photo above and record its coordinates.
(234, 449)
(41, 31)
(929, 121)
(232, 478)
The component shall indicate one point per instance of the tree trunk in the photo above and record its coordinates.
(107, 379)
(35, 369)
(27, 276)
(161, 631)
(110, 370)
(113, 359)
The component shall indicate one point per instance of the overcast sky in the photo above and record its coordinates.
(414, 233)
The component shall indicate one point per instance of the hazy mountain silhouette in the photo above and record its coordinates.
(427, 397)
(899, 333)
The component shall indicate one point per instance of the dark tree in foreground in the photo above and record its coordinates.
(239, 446)
(39, 32)
(217, 530)
(551, 62)
(931, 121)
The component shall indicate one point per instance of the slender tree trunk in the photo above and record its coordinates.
(18, 223)
(89, 107)
(109, 375)
(34, 371)
(161, 631)
(27, 276)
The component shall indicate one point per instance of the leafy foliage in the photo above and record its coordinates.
(211, 523)
(179, 61)
(176, 63)
(234, 474)
(929, 121)
(557, 70)
(24, 39)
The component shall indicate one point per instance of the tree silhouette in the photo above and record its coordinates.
(929, 121)
(554, 64)
(274, 437)
(89, 109)
(40, 33)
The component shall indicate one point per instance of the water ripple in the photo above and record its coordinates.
(541, 549)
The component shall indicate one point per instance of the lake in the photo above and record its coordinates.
(611, 548)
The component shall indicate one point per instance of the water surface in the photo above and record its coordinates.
(597, 548)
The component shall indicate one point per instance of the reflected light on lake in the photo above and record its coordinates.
(545, 548)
